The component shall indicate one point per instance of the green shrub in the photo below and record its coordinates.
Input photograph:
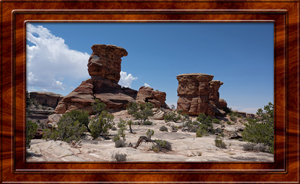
(227, 110)
(233, 118)
(101, 125)
(68, 131)
(115, 138)
(132, 108)
(162, 145)
(149, 133)
(98, 106)
(229, 123)
(31, 128)
(172, 116)
(147, 123)
(163, 128)
(219, 142)
(120, 143)
(216, 121)
(201, 131)
(46, 134)
(261, 130)
(144, 111)
(201, 117)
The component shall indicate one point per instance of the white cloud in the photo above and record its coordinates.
(50, 61)
(146, 85)
(126, 80)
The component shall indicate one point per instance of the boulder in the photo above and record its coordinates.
(147, 94)
(198, 94)
(251, 115)
(46, 98)
(222, 103)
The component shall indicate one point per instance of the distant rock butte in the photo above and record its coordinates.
(104, 67)
(198, 93)
(46, 98)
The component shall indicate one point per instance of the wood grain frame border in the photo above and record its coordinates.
(284, 15)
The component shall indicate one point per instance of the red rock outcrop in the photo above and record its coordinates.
(104, 67)
(147, 94)
(198, 94)
(105, 61)
(46, 98)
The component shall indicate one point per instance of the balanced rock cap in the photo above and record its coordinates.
(197, 76)
(116, 49)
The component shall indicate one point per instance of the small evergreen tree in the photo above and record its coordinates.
(102, 125)
(31, 128)
(98, 107)
(261, 130)
(145, 110)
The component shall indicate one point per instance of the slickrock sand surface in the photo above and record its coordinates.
(186, 147)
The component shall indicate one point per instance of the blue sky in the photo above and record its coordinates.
(239, 54)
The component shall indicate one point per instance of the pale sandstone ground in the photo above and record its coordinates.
(186, 147)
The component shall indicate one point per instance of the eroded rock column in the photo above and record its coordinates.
(198, 94)
(193, 92)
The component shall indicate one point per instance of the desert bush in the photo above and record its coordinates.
(229, 123)
(122, 127)
(201, 117)
(195, 123)
(130, 123)
(98, 106)
(46, 134)
(261, 130)
(163, 128)
(149, 133)
(219, 142)
(147, 123)
(115, 138)
(248, 147)
(119, 157)
(101, 125)
(31, 128)
(132, 108)
(120, 143)
(216, 121)
(113, 128)
(144, 111)
(233, 118)
(172, 116)
(201, 131)
(70, 127)
(227, 110)
(162, 145)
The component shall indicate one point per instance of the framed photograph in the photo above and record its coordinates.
(29, 31)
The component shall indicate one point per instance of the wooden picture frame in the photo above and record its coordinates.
(284, 14)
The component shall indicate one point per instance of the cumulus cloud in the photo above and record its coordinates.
(50, 60)
(146, 85)
(51, 63)
(126, 80)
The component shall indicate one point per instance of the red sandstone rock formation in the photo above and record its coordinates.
(198, 94)
(104, 67)
(147, 94)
